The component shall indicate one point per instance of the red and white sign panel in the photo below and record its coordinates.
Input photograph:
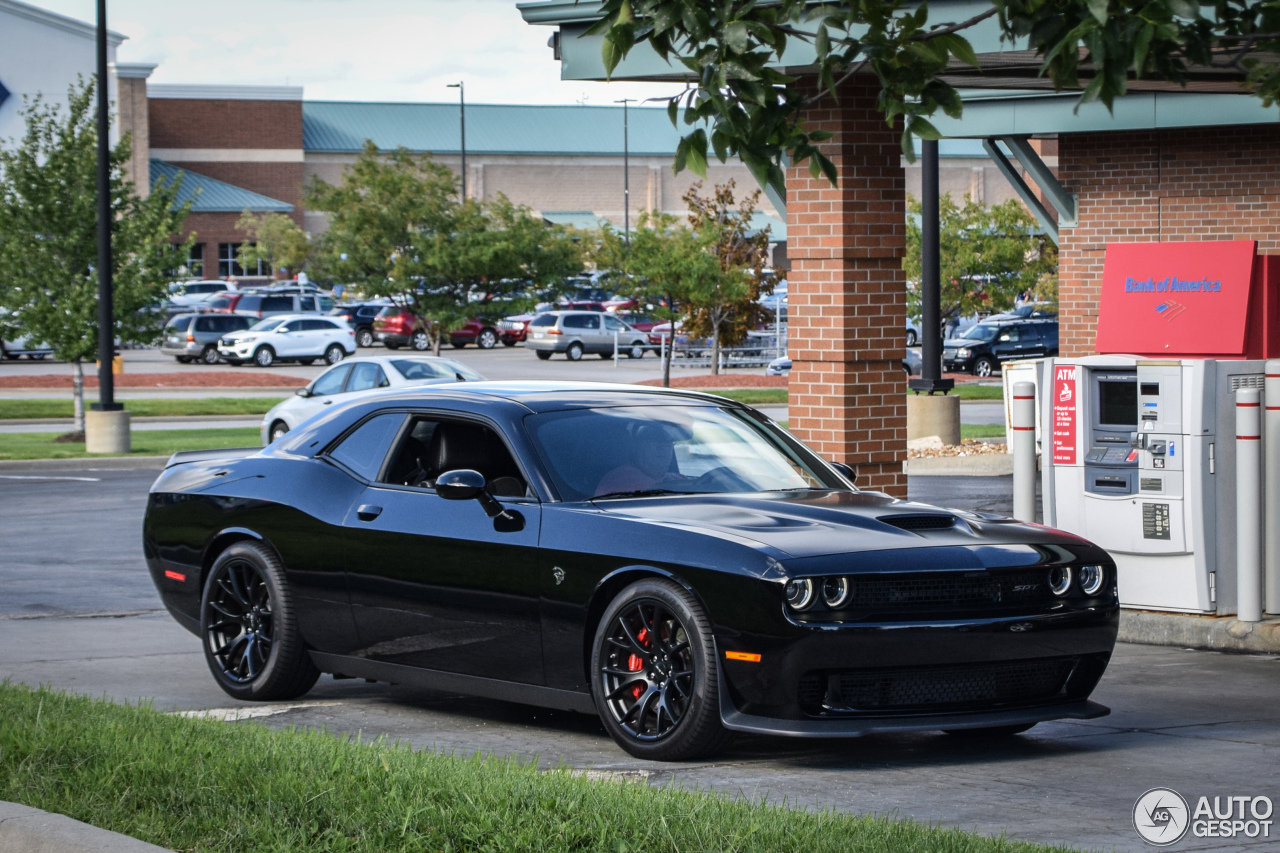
(1174, 299)
(1066, 394)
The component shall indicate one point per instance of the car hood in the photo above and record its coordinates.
(962, 342)
(816, 523)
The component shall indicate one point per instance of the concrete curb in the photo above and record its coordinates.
(124, 463)
(27, 830)
(982, 465)
(70, 422)
(1189, 631)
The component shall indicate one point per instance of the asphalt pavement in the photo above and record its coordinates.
(78, 612)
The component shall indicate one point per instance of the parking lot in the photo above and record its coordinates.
(79, 613)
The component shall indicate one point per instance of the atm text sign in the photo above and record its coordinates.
(1176, 298)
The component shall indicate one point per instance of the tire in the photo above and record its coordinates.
(985, 366)
(574, 352)
(991, 732)
(542, 354)
(420, 341)
(210, 355)
(250, 630)
(912, 340)
(334, 354)
(181, 359)
(278, 429)
(364, 338)
(487, 339)
(657, 688)
(264, 356)
(636, 350)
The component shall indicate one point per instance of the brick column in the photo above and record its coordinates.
(847, 302)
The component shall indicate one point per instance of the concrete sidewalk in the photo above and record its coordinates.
(27, 830)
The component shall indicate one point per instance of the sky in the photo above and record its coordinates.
(351, 50)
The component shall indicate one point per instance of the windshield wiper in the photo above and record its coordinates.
(641, 493)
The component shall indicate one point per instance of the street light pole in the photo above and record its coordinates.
(106, 314)
(930, 380)
(462, 126)
(626, 171)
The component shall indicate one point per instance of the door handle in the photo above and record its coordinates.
(328, 403)
(368, 512)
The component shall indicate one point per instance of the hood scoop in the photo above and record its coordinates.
(917, 523)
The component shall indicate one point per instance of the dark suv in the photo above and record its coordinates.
(983, 347)
(360, 317)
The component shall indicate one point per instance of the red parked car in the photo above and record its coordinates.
(398, 327)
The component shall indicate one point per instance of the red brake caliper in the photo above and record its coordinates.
(635, 664)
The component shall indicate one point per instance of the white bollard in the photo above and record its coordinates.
(1271, 487)
(615, 347)
(1248, 505)
(1024, 451)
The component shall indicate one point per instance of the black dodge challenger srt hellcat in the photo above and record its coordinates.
(674, 562)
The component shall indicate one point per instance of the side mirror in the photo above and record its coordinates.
(465, 484)
(303, 392)
(845, 470)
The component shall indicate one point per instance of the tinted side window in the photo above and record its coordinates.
(1029, 333)
(364, 450)
(366, 375)
(235, 324)
(179, 324)
(296, 325)
(249, 303)
(613, 324)
(206, 324)
(277, 303)
(545, 320)
(307, 303)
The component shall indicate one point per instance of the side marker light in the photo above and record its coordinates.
(743, 656)
(174, 575)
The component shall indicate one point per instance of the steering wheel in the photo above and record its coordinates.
(723, 479)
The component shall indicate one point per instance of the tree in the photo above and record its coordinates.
(488, 258)
(989, 255)
(663, 265)
(726, 306)
(275, 240)
(48, 237)
(733, 50)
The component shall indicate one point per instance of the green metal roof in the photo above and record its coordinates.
(585, 220)
(342, 127)
(209, 195)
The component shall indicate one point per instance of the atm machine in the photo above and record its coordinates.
(1140, 458)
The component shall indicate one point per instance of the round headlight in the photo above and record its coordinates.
(1091, 578)
(800, 593)
(835, 591)
(1060, 580)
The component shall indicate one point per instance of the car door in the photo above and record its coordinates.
(615, 332)
(1031, 345)
(325, 391)
(290, 339)
(1007, 343)
(593, 339)
(436, 583)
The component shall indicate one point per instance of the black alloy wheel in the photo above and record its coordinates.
(364, 337)
(264, 357)
(487, 339)
(334, 354)
(985, 366)
(249, 627)
(210, 355)
(574, 352)
(420, 341)
(655, 679)
(278, 429)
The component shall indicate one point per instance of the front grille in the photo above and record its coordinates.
(936, 689)
(920, 522)
(919, 591)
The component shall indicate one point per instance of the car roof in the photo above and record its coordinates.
(549, 396)
(311, 316)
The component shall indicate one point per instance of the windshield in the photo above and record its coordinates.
(980, 332)
(435, 368)
(630, 450)
(266, 325)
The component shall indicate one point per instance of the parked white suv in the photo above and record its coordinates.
(184, 295)
(364, 373)
(290, 337)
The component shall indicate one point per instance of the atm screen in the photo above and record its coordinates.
(1118, 403)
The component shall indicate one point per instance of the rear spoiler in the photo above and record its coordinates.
(184, 456)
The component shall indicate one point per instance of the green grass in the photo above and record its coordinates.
(778, 396)
(199, 785)
(981, 430)
(162, 407)
(40, 445)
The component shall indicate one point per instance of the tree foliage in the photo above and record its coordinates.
(989, 255)
(49, 235)
(275, 239)
(739, 103)
(398, 229)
